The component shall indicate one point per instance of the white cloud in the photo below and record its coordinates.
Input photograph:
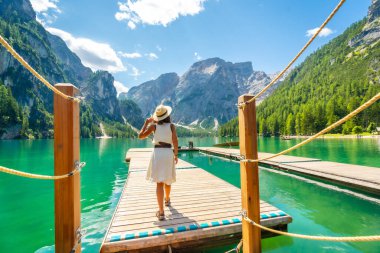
(197, 56)
(123, 7)
(130, 55)
(131, 25)
(136, 72)
(120, 87)
(97, 56)
(324, 33)
(159, 48)
(44, 5)
(152, 56)
(46, 10)
(121, 16)
(156, 12)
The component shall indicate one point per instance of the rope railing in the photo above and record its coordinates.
(237, 248)
(78, 165)
(77, 169)
(327, 129)
(332, 14)
(18, 57)
(313, 237)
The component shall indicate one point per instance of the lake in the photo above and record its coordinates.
(27, 205)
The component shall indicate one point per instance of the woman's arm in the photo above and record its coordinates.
(175, 142)
(147, 129)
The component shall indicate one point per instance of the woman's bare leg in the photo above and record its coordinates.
(160, 196)
(167, 191)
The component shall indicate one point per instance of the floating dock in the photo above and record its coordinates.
(364, 178)
(204, 212)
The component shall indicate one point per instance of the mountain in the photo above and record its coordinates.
(51, 57)
(205, 96)
(370, 33)
(329, 84)
(149, 94)
(131, 113)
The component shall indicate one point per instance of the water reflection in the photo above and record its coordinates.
(102, 146)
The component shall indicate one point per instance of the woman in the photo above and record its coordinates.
(165, 154)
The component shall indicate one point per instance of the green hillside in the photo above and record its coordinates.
(26, 108)
(329, 84)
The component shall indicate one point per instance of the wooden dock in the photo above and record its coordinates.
(204, 212)
(364, 178)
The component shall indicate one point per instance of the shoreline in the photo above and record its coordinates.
(349, 136)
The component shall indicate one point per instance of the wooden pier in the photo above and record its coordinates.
(364, 178)
(204, 212)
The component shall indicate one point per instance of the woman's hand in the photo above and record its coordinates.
(176, 159)
(147, 128)
(149, 120)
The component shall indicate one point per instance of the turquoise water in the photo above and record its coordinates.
(316, 210)
(27, 206)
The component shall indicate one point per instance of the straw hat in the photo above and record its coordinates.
(161, 112)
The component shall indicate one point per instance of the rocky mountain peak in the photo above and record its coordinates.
(371, 30)
(243, 68)
(17, 10)
(71, 63)
(100, 94)
(208, 62)
(168, 77)
(99, 86)
(205, 95)
(374, 10)
(151, 93)
(211, 65)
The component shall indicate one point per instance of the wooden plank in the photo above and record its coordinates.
(137, 228)
(164, 240)
(183, 205)
(125, 217)
(357, 183)
(228, 152)
(364, 178)
(119, 227)
(198, 198)
(127, 214)
(141, 161)
(189, 193)
(66, 153)
(180, 201)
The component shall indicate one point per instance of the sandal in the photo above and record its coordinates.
(167, 202)
(160, 216)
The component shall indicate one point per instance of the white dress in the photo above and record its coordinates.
(161, 168)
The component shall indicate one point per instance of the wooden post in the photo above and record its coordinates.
(66, 153)
(249, 173)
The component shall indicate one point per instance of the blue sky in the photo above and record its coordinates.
(137, 40)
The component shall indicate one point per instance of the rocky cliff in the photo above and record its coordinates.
(206, 95)
(149, 94)
(371, 30)
(101, 95)
(51, 57)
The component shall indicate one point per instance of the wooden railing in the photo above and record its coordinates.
(249, 174)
